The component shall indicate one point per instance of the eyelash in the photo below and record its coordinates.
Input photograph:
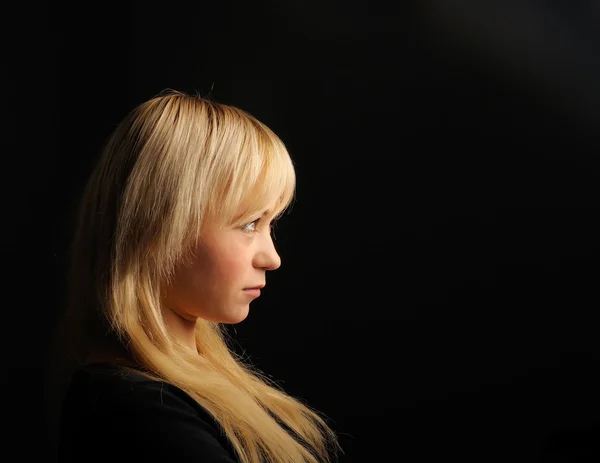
(255, 222)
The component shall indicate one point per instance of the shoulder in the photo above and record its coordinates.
(102, 387)
(149, 418)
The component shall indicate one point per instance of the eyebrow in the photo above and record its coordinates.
(275, 218)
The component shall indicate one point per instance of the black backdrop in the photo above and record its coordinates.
(438, 287)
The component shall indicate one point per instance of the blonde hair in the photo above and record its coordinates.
(174, 162)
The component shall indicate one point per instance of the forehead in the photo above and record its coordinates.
(260, 202)
(267, 212)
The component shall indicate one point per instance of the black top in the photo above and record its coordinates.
(114, 414)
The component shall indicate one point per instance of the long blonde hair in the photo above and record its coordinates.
(175, 161)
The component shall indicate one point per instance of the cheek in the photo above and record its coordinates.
(230, 268)
(225, 266)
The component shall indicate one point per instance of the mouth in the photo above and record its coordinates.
(259, 287)
(254, 292)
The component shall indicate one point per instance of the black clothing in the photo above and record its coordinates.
(114, 414)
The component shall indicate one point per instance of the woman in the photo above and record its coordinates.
(173, 241)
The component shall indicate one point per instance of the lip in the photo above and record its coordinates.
(255, 292)
(259, 287)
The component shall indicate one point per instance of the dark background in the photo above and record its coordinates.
(438, 291)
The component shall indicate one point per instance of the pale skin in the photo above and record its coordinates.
(227, 261)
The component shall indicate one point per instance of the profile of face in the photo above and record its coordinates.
(227, 262)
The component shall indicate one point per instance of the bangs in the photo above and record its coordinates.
(263, 178)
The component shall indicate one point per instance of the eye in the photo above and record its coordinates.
(251, 227)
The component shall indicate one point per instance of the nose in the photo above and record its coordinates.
(267, 257)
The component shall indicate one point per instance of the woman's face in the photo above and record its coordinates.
(226, 262)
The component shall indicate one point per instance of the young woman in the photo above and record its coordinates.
(173, 241)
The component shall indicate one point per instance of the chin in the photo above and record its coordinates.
(238, 319)
(234, 318)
